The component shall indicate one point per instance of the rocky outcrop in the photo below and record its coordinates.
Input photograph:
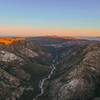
(22, 65)
(6, 56)
(77, 76)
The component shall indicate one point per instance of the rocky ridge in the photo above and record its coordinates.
(77, 76)
(22, 65)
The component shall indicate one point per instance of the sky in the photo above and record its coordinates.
(50, 17)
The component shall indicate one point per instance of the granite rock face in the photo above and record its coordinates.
(22, 65)
(78, 74)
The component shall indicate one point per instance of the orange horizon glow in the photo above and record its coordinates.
(29, 31)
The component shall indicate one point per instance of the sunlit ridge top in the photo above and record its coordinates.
(10, 40)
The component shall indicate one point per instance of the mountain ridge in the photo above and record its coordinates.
(22, 65)
(64, 37)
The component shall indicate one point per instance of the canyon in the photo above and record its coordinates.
(46, 68)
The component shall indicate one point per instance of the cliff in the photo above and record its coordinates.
(77, 76)
(22, 65)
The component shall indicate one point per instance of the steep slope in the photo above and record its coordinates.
(77, 76)
(22, 65)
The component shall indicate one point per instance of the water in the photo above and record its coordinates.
(41, 84)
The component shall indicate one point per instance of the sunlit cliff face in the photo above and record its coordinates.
(10, 40)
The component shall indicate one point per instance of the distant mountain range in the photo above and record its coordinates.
(59, 37)
(63, 37)
(90, 38)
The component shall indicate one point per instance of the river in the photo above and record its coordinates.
(41, 83)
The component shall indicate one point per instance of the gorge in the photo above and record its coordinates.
(60, 70)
